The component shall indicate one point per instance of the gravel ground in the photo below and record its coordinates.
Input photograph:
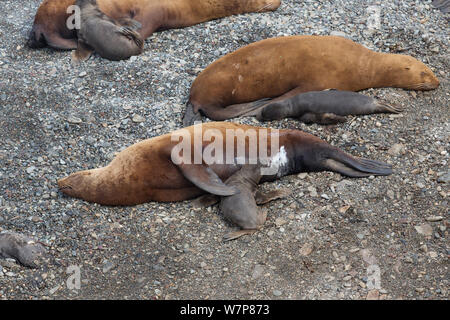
(324, 242)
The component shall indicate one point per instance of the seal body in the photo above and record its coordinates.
(148, 170)
(25, 250)
(50, 23)
(286, 66)
(324, 107)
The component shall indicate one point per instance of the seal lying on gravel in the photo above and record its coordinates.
(24, 249)
(107, 37)
(286, 66)
(323, 107)
(154, 170)
(50, 23)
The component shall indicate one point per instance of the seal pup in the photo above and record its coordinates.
(323, 107)
(21, 248)
(146, 171)
(50, 23)
(286, 66)
(106, 36)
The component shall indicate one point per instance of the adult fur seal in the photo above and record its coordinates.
(50, 23)
(109, 38)
(146, 170)
(286, 66)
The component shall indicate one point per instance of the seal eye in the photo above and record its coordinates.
(408, 68)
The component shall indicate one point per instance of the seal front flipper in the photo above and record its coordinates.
(237, 234)
(266, 197)
(206, 179)
(130, 23)
(322, 118)
(82, 53)
(241, 208)
(132, 35)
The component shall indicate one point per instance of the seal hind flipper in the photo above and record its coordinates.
(82, 53)
(350, 166)
(190, 116)
(206, 179)
(384, 107)
(241, 208)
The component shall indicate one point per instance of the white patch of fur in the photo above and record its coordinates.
(279, 161)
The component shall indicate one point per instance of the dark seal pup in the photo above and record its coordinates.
(107, 37)
(25, 250)
(323, 107)
(286, 66)
(146, 171)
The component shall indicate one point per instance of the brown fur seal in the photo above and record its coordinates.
(107, 37)
(285, 66)
(146, 171)
(50, 23)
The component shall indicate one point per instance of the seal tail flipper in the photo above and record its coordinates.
(350, 166)
(190, 116)
(206, 179)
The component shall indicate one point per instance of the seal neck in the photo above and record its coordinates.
(385, 69)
